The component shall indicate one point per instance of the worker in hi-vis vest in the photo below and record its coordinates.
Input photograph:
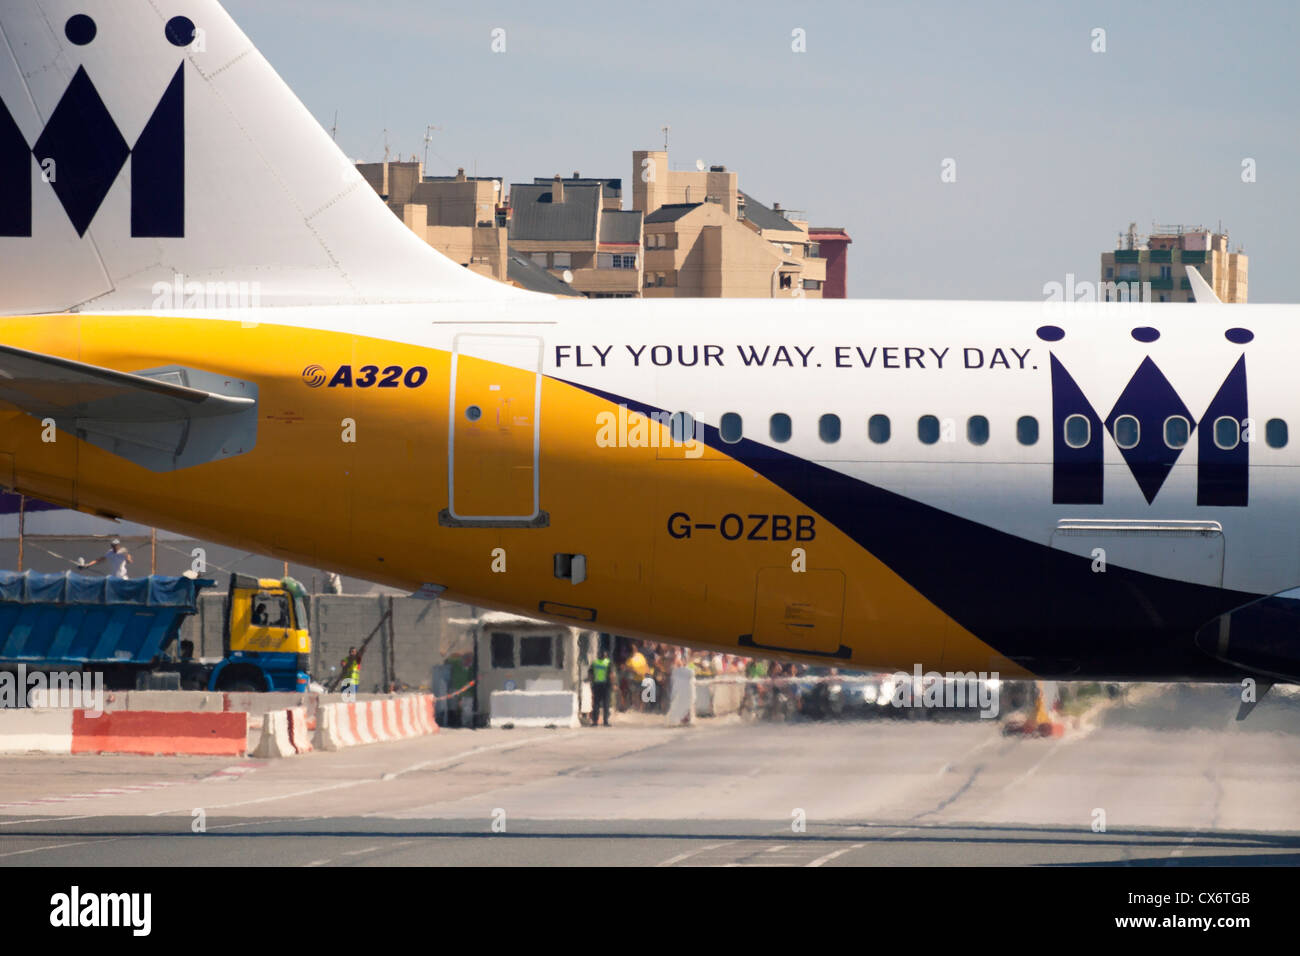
(601, 673)
(351, 666)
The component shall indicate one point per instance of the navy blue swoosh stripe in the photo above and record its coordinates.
(1033, 603)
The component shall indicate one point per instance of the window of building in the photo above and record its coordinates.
(927, 429)
(828, 428)
(812, 284)
(785, 280)
(1078, 431)
(1027, 430)
(731, 428)
(977, 429)
(779, 427)
(1128, 432)
(1275, 433)
(536, 650)
(1177, 430)
(539, 258)
(621, 261)
(561, 260)
(1166, 272)
(503, 649)
(878, 428)
(1227, 433)
(1110, 272)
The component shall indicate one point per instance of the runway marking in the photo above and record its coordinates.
(1178, 851)
(55, 846)
(423, 765)
(967, 755)
(368, 849)
(316, 863)
(837, 853)
(94, 794)
(674, 860)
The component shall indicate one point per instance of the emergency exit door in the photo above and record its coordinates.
(494, 431)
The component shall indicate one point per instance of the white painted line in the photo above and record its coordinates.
(55, 846)
(673, 860)
(830, 856)
(369, 849)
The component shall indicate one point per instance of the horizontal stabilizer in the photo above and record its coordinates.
(162, 419)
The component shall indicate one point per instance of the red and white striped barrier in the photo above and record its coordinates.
(284, 733)
(353, 723)
(145, 732)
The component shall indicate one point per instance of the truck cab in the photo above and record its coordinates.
(266, 642)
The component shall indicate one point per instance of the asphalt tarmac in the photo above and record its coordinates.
(1166, 778)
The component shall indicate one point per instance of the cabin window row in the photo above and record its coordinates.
(1077, 430)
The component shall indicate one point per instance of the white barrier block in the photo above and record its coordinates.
(533, 708)
(41, 731)
(299, 735)
(327, 728)
(681, 696)
(275, 736)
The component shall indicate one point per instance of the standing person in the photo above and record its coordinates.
(601, 673)
(351, 667)
(117, 557)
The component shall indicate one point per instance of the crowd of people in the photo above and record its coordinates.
(634, 660)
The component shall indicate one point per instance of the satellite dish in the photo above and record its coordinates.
(568, 276)
(699, 164)
(496, 185)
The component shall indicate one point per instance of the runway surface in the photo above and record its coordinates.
(1172, 776)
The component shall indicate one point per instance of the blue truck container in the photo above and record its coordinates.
(125, 628)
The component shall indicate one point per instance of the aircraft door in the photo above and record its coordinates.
(494, 432)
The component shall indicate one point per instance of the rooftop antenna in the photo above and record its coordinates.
(334, 130)
(665, 129)
(428, 138)
(385, 145)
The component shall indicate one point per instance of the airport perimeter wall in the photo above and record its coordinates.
(408, 646)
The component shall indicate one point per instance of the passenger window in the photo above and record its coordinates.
(1227, 433)
(828, 428)
(1127, 431)
(1275, 433)
(977, 429)
(1078, 431)
(1027, 430)
(731, 428)
(1177, 431)
(878, 428)
(682, 425)
(779, 427)
(927, 429)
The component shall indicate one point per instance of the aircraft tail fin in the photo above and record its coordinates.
(1201, 290)
(146, 147)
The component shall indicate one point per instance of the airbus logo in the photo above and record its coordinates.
(81, 151)
(314, 376)
(1151, 425)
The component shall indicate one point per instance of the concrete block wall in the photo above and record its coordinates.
(405, 651)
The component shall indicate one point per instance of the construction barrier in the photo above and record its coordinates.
(35, 731)
(150, 732)
(681, 696)
(353, 723)
(534, 708)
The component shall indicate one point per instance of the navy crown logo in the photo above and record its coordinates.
(81, 151)
(1151, 425)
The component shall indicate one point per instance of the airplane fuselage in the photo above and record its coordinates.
(854, 483)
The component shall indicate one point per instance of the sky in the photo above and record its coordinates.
(1056, 146)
